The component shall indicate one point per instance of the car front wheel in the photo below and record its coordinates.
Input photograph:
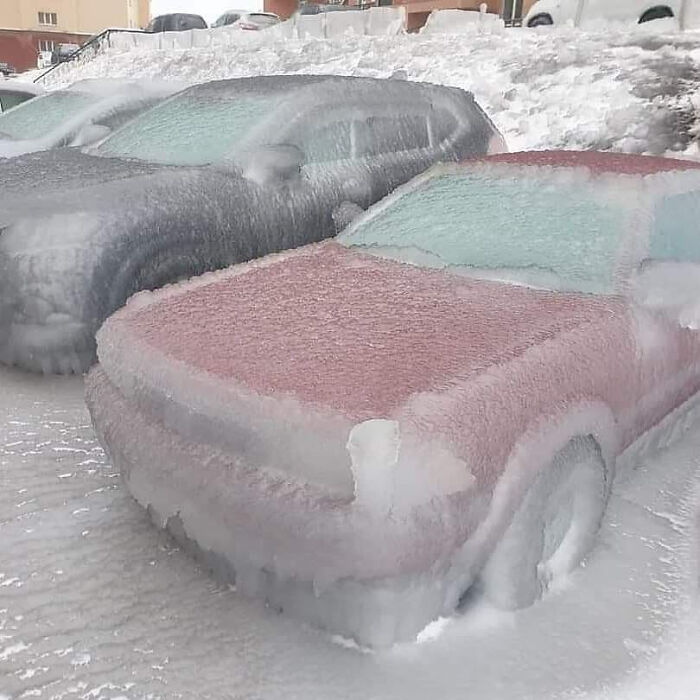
(552, 530)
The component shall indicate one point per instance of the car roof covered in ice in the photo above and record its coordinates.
(104, 88)
(270, 84)
(596, 161)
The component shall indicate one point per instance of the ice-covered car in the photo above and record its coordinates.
(79, 115)
(15, 92)
(221, 173)
(365, 430)
(546, 12)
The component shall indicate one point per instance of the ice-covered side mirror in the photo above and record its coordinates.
(273, 164)
(91, 133)
(671, 287)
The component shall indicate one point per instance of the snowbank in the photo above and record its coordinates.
(633, 91)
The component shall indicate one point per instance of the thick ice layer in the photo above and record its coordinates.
(355, 435)
(84, 113)
(222, 173)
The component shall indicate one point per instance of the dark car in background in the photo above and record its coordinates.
(221, 173)
(229, 17)
(176, 22)
(6, 69)
(312, 8)
(63, 52)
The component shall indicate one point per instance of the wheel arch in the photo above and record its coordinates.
(656, 12)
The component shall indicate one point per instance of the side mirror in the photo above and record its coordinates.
(91, 133)
(273, 164)
(672, 288)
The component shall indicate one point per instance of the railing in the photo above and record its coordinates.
(96, 44)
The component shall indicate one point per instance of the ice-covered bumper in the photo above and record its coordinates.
(342, 565)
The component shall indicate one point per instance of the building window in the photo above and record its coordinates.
(48, 18)
(46, 45)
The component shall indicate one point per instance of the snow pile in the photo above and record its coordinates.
(633, 91)
(463, 22)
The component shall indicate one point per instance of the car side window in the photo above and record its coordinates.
(675, 235)
(330, 142)
(393, 134)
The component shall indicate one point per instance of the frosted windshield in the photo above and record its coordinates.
(39, 116)
(188, 130)
(522, 230)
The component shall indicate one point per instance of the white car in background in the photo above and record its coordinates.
(545, 12)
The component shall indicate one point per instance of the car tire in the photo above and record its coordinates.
(661, 12)
(553, 529)
(543, 20)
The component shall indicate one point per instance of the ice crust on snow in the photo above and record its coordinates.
(219, 174)
(79, 115)
(364, 424)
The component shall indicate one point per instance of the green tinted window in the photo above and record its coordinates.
(188, 130)
(41, 115)
(8, 100)
(676, 229)
(555, 232)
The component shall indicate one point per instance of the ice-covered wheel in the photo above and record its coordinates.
(542, 20)
(660, 12)
(553, 529)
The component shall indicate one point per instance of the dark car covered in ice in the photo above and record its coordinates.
(221, 173)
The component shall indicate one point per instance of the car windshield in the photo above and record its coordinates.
(189, 129)
(42, 115)
(518, 230)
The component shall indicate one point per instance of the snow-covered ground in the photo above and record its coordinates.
(632, 91)
(96, 603)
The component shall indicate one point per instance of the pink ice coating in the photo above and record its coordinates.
(353, 332)
(595, 161)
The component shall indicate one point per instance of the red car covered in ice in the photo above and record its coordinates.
(362, 430)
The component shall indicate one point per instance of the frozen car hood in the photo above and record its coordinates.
(61, 180)
(335, 328)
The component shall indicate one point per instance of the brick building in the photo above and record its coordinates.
(417, 11)
(30, 26)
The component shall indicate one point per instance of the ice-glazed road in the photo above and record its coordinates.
(95, 603)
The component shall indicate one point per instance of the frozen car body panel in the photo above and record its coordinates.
(139, 226)
(104, 103)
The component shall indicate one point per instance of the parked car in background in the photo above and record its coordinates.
(255, 21)
(221, 173)
(15, 92)
(6, 69)
(81, 114)
(63, 52)
(229, 17)
(546, 12)
(176, 22)
(434, 404)
(311, 8)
